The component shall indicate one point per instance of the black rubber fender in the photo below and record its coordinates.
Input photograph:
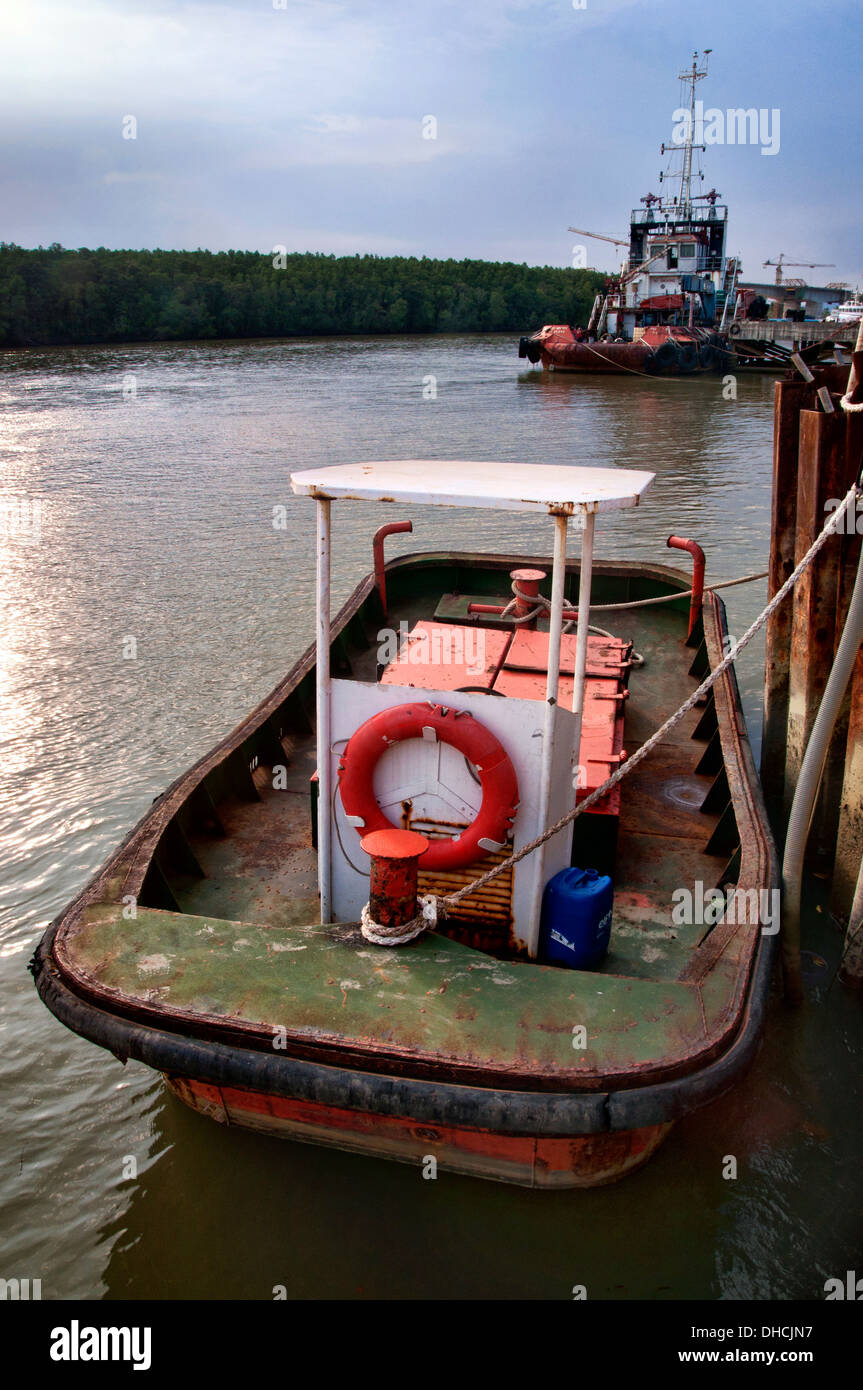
(663, 357)
(687, 356)
(547, 1114)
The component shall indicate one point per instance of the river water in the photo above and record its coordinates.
(137, 495)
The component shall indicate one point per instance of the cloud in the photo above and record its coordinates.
(141, 176)
(258, 125)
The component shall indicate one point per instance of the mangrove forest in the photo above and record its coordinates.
(53, 295)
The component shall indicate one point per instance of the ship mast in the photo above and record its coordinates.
(692, 77)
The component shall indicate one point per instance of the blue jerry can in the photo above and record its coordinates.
(576, 918)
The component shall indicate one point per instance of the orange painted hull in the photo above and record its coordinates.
(528, 1161)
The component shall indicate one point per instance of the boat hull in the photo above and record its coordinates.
(524, 1160)
(507, 1115)
(617, 359)
(660, 352)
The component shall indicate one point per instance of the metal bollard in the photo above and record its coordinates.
(395, 858)
(528, 582)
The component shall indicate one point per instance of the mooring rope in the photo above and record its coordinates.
(444, 904)
(621, 366)
(399, 936)
(544, 603)
(681, 593)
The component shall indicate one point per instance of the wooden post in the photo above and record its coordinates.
(789, 398)
(813, 620)
(817, 455)
(825, 828)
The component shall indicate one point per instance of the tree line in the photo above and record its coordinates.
(54, 295)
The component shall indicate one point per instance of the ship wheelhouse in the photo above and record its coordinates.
(677, 265)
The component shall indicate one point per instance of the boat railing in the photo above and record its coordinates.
(667, 218)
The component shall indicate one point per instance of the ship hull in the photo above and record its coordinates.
(660, 352)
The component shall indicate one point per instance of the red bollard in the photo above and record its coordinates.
(393, 876)
(528, 582)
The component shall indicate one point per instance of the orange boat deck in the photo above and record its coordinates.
(515, 664)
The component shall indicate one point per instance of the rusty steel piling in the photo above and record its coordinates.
(816, 459)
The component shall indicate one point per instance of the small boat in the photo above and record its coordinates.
(849, 312)
(377, 917)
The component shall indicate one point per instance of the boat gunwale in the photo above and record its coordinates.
(524, 1112)
(165, 805)
(137, 850)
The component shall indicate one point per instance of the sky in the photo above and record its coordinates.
(307, 124)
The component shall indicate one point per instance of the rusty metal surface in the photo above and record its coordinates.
(849, 757)
(789, 398)
(523, 676)
(813, 622)
(528, 651)
(433, 1009)
(394, 858)
(589, 1161)
(849, 845)
(833, 831)
(614, 358)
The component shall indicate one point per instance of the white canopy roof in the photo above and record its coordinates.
(515, 487)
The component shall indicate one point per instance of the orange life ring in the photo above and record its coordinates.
(460, 730)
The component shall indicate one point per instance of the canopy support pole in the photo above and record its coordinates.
(584, 585)
(322, 708)
(558, 576)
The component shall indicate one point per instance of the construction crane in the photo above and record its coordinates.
(809, 265)
(595, 236)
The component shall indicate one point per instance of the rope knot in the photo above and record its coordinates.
(425, 920)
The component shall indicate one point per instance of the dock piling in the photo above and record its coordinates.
(816, 458)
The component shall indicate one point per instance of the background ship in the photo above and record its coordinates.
(662, 314)
(678, 305)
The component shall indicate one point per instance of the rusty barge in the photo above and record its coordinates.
(232, 942)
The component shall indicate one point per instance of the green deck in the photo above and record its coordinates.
(328, 986)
